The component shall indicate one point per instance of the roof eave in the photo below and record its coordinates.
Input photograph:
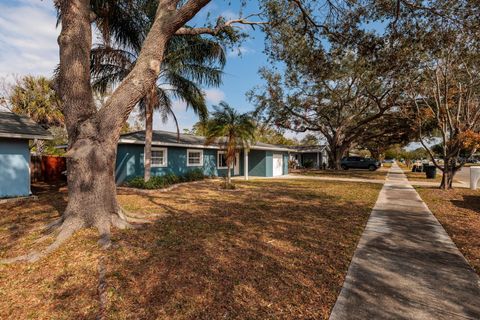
(25, 136)
(198, 146)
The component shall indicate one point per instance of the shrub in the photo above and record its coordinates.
(308, 164)
(136, 182)
(194, 175)
(292, 164)
(159, 182)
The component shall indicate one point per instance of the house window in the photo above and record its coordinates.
(159, 157)
(194, 158)
(221, 160)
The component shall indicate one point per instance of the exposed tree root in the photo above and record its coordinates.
(131, 217)
(66, 231)
(63, 229)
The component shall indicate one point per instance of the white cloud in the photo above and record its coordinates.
(214, 96)
(28, 38)
(239, 51)
(229, 15)
(179, 105)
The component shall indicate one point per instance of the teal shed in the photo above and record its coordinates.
(15, 133)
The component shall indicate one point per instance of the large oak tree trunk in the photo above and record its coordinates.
(336, 154)
(92, 198)
(93, 134)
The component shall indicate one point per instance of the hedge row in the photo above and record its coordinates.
(160, 182)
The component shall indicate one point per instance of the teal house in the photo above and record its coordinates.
(310, 156)
(15, 133)
(179, 154)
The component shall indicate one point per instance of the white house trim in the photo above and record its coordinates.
(165, 158)
(195, 164)
(245, 164)
(24, 136)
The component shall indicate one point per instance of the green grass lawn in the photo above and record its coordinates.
(269, 250)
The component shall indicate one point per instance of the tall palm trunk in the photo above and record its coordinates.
(229, 174)
(149, 134)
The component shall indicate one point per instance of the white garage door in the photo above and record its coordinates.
(277, 164)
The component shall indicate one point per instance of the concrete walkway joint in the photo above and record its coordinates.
(405, 265)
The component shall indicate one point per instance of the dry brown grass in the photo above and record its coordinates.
(269, 250)
(458, 211)
(379, 174)
(421, 176)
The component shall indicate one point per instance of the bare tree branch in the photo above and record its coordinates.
(221, 25)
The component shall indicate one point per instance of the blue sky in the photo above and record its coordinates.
(28, 45)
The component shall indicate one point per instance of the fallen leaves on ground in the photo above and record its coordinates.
(268, 250)
(458, 210)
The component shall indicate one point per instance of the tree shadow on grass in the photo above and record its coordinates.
(268, 251)
(24, 217)
(469, 202)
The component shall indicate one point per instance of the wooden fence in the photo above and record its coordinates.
(47, 168)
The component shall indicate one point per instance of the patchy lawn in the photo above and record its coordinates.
(379, 174)
(421, 176)
(269, 250)
(458, 211)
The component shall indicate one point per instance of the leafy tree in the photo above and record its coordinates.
(394, 129)
(340, 79)
(198, 129)
(234, 130)
(341, 100)
(309, 140)
(268, 134)
(445, 93)
(188, 63)
(35, 97)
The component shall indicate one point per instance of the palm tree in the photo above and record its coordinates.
(189, 62)
(35, 97)
(232, 129)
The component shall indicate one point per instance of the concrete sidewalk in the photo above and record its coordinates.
(405, 265)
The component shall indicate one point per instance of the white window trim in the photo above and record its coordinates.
(218, 160)
(201, 157)
(165, 158)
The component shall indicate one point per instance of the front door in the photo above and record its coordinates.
(236, 167)
(277, 164)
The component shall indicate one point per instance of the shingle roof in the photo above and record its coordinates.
(21, 127)
(167, 138)
(307, 149)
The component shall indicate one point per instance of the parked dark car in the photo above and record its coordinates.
(360, 163)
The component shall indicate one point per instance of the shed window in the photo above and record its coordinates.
(159, 157)
(194, 158)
